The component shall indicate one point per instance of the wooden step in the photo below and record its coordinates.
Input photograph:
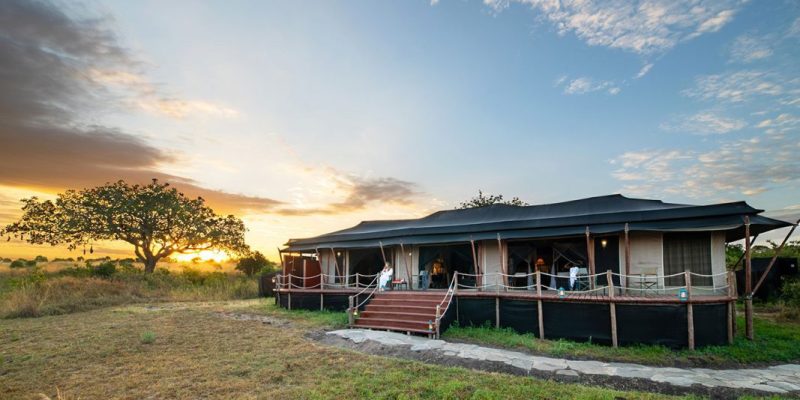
(400, 308)
(405, 302)
(395, 315)
(404, 324)
(410, 295)
(395, 329)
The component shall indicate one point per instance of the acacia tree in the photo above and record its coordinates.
(486, 200)
(156, 219)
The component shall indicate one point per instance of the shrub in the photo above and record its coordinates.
(147, 337)
(40, 259)
(8, 260)
(254, 263)
(791, 292)
(20, 263)
(104, 270)
(30, 263)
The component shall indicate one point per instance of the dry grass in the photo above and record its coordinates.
(38, 294)
(198, 354)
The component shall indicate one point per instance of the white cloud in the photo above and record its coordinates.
(736, 167)
(644, 26)
(736, 86)
(748, 48)
(645, 69)
(781, 120)
(703, 123)
(583, 85)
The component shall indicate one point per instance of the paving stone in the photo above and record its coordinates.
(777, 379)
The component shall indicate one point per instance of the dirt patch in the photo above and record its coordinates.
(267, 320)
(440, 358)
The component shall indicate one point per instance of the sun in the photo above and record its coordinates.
(205, 255)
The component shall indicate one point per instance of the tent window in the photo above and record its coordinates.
(687, 252)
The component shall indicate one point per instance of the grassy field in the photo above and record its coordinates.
(187, 350)
(61, 288)
(775, 342)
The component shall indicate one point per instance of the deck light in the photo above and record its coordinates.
(338, 254)
(355, 312)
(683, 295)
(430, 325)
(604, 243)
(561, 292)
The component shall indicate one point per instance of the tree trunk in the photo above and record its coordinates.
(150, 265)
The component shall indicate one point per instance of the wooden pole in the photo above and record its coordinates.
(539, 303)
(350, 317)
(502, 260)
(438, 314)
(405, 263)
(590, 256)
(689, 309)
(775, 257)
(336, 265)
(289, 301)
(748, 278)
(627, 254)
(474, 258)
(612, 308)
(734, 296)
(497, 312)
(383, 255)
(731, 306)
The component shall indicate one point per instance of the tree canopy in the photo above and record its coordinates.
(486, 200)
(254, 263)
(155, 218)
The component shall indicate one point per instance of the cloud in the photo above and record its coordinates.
(747, 48)
(781, 120)
(737, 86)
(703, 123)
(585, 85)
(642, 72)
(360, 192)
(643, 27)
(737, 167)
(49, 87)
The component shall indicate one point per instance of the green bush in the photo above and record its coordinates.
(105, 269)
(147, 337)
(791, 292)
(40, 259)
(30, 263)
(18, 263)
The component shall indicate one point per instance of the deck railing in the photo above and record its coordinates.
(587, 284)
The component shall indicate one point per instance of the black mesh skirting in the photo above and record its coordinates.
(580, 322)
(710, 324)
(663, 324)
(475, 312)
(520, 315)
(335, 302)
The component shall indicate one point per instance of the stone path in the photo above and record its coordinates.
(780, 379)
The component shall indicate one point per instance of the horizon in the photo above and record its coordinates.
(305, 120)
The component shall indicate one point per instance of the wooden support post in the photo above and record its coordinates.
(497, 312)
(383, 255)
(731, 306)
(455, 283)
(689, 309)
(627, 255)
(590, 256)
(305, 275)
(734, 297)
(612, 308)
(438, 315)
(289, 301)
(748, 281)
(474, 261)
(539, 303)
(321, 302)
(336, 271)
(405, 263)
(772, 261)
(503, 260)
(350, 317)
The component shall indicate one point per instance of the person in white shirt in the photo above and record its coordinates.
(573, 276)
(385, 277)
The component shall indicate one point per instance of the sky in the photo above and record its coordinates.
(305, 117)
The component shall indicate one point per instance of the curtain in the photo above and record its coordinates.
(687, 252)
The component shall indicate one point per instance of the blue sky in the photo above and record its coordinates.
(337, 111)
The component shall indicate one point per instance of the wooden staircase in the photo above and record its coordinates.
(401, 311)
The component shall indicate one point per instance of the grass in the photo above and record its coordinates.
(35, 292)
(147, 337)
(199, 354)
(774, 343)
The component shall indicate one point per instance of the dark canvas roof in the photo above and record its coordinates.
(604, 214)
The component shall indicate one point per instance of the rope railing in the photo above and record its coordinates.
(497, 281)
(448, 298)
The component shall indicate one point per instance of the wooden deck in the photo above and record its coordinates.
(547, 295)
